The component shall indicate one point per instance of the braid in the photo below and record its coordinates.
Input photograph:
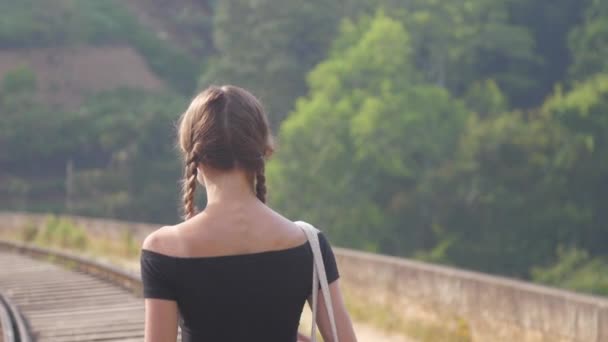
(260, 184)
(189, 186)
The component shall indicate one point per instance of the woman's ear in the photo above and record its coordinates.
(200, 175)
(269, 151)
(270, 147)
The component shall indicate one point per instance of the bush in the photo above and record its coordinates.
(79, 239)
(131, 248)
(62, 232)
(19, 80)
(29, 232)
(575, 270)
(49, 231)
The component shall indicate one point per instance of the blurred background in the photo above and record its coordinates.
(471, 133)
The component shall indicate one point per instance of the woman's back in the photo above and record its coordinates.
(234, 273)
(237, 270)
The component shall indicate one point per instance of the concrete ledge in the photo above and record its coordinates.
(496, 308)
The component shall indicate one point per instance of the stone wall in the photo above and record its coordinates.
(494, 308)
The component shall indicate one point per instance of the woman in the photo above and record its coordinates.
(237, 271)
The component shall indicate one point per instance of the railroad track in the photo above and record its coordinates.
(12, 324)
(70, 298)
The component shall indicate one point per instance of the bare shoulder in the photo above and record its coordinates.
(160, 240)
(289, 227)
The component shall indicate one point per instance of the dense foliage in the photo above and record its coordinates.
(106, 159)
(466, 132)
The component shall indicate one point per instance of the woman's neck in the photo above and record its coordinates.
(233, 186)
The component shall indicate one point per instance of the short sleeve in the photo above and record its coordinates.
(329, 260)
(156, 276)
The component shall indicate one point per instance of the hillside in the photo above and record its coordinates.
(83, 47)
(67, 75)
(82, 83)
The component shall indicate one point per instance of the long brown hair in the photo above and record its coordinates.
(224, 128)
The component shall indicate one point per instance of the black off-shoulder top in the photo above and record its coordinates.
(247, 297)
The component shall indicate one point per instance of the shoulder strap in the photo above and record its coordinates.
(319, 275)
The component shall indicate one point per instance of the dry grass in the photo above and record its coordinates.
(387, 318)
(62, 233)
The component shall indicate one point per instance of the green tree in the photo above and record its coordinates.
(33, 135)
(525, 183)
(583, 110)
(354, 150)
(460, 43)
(576, 270)
(130, 175)
(589, 42)
(485, 98)
(119, 147)
(520, 44)
(268, 46)
(548, 22)
(505, 204)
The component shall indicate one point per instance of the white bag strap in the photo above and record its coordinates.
(318, 275)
